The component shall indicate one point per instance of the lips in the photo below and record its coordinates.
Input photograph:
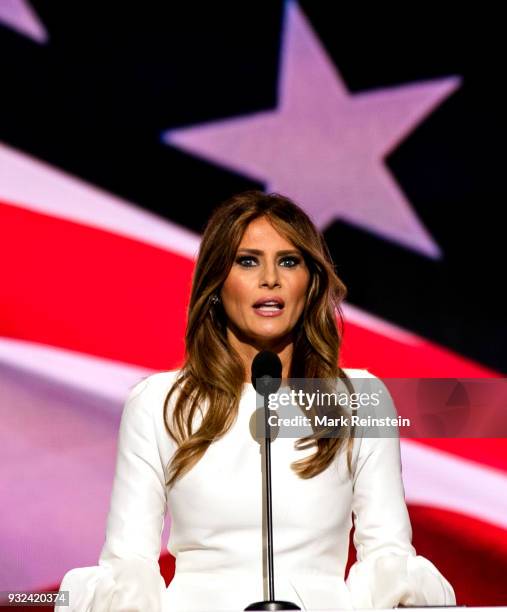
(269, 303)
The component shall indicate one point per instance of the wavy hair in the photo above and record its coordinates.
(212, 376)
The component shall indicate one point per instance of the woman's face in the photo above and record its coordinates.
(267, 268)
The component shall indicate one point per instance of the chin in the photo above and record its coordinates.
(270, 335)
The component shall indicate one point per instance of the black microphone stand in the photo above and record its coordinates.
(265, 386)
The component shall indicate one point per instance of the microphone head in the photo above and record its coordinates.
(266, 372)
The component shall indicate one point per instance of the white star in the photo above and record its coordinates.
(19, 15)
(323, 146)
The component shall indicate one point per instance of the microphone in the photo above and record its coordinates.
(266, 369)
(266, 372)
(266, 378)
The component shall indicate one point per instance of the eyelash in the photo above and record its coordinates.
(296, 260)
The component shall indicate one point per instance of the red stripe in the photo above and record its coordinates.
(470, 553)
(89, 290)
(390, 357)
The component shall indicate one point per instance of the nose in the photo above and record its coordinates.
(269, 275)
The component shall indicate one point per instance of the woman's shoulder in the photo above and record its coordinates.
(157, 383)
(358, 373)
(166, 378)
(146, 402)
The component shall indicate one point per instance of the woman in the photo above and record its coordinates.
(264, 279)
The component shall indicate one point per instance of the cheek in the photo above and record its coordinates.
(300, 289)
(235, 291)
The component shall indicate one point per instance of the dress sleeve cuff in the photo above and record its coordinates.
(120, 585)
(385, 581)
(82, 583)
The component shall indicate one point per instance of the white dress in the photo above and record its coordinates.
(216, 519)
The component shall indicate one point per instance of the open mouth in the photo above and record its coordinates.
(269, 307)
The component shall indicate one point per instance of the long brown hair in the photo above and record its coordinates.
(212, 374)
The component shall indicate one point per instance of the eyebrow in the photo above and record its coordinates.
(260, 252)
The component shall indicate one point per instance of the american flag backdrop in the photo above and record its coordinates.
(123, 124)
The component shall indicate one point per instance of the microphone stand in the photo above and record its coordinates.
(272, 603)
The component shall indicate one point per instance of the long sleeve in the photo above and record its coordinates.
(128, 576)
(388, 571)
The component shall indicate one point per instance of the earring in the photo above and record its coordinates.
(214, 299)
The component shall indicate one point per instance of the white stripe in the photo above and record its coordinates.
(104, 377)
(378, 325)
(435, 478)
(35, 185)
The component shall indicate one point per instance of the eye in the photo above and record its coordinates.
(291, 261)
(244, 260)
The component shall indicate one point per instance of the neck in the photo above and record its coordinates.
(248, 349)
